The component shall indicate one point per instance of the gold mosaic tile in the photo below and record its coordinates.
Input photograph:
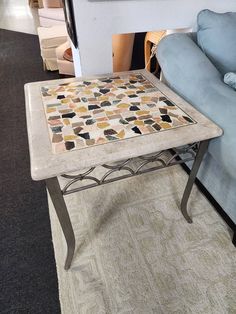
(94, 112)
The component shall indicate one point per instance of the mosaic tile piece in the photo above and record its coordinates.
(94, 112)
(166, 118)
(69, 145)
(56, 138)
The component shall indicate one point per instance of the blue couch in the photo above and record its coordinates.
(191, 73)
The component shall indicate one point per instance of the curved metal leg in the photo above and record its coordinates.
(198, 159)
(63, 216)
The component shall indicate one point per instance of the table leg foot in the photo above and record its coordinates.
(63, 216)
(198, 159)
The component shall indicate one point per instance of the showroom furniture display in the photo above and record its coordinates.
(51, 13)
(64, 66)
(194, 65)
(151, 39)
(49, 39)
(126, 124)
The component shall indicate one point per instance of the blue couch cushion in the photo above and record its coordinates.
(216, 36)
(230, 79)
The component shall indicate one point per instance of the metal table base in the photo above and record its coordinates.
(132, 167)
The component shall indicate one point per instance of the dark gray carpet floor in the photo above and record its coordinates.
(28, 279)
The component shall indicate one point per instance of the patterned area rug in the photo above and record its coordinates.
(136, 253)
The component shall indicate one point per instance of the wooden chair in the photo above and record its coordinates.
(151, 38)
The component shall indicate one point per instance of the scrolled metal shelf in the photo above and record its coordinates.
(129, 169)
(80, 175)
(134, 166)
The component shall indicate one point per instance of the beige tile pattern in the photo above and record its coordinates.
(114, 108)
(136, 253)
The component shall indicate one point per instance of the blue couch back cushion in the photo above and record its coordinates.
(216, 36)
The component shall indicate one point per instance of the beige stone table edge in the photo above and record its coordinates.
(45, 164)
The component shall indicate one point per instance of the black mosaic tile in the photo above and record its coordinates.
(166, 118)
(136, 130)
(109, 132)
(92, 107)
(188, 119)
(69, 145)
(90, 121)
(105, 104)
(107, 81)
(68, 115)
(61, 96)
(132, 96)
(149, 121)
(86, 135)
(156, 126)
(134, 108)
(131, 119)
(63, 84)
(169, 103)
(104, 90)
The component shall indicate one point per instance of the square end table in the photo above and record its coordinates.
(78, 124)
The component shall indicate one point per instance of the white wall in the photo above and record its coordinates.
(97, 20)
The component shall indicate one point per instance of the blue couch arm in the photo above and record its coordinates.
(190, 74)
(186, 68)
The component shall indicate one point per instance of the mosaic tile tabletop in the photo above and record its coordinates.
(98, 111)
